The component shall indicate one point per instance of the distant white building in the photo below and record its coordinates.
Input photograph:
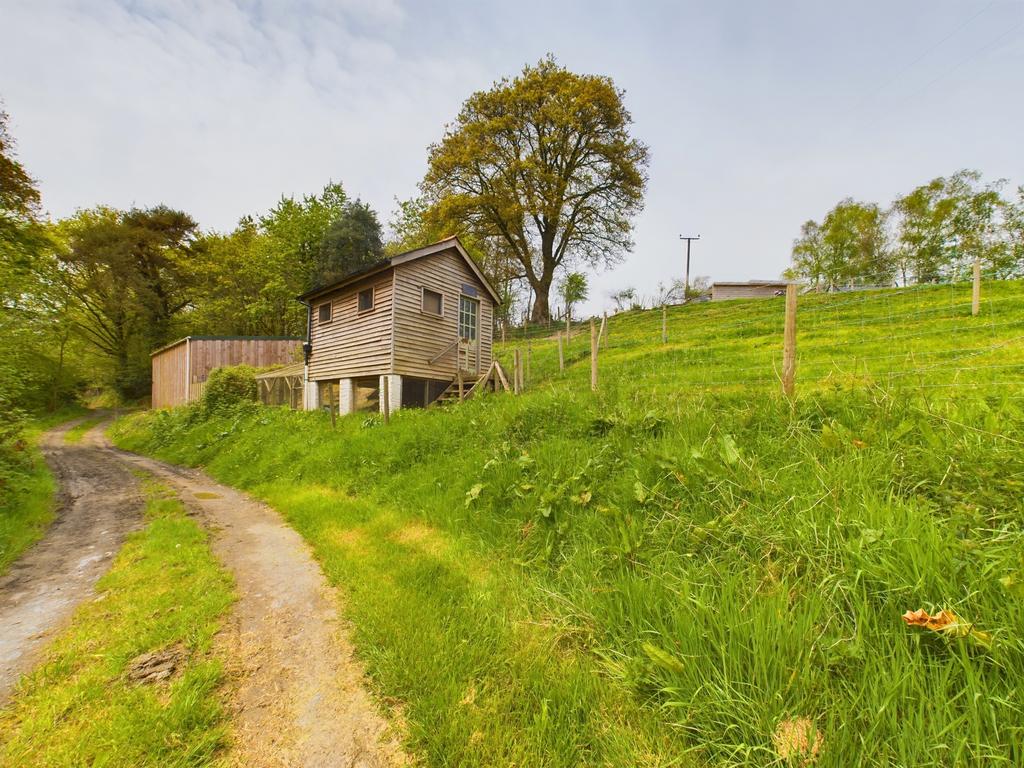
(751, 289)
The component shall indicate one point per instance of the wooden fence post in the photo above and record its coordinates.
(606, 331)
(386, 402)
(976, 293)
(789, 344)
(593, 355)
(664, 325)
(515, 371)
(561, 354)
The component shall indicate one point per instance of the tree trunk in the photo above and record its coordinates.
(541, 311)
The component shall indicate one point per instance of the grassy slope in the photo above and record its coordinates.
(26, 512)
(660, 573)
(164, 588)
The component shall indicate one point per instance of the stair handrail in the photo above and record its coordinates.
(444, 351)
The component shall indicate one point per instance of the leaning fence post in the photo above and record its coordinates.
(789, 344)
(664, 325)
(561, 354)
(976, 294)
(593, 355)
(386, 401)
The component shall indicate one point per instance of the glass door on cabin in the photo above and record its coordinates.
(469, 332)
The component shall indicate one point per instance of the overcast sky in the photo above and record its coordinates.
(759, 115)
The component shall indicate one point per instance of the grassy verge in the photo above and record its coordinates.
(27, 498)
(670, 572)
(164, 590)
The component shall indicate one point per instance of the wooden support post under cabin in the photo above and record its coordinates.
(789, 344)
(330, 402)
(664, 325)
(593, 355)
(976, 293)
(385, 393)
(561, 354)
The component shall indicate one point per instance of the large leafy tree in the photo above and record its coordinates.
(945, 224)
(131, 274)
(249, 278)
(849, 247)
(352, 241)
(296, 228)
(34, 306)
(545, 165)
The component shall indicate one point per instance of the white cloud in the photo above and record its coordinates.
(758, 115)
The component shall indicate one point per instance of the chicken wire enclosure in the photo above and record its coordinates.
(281, 387)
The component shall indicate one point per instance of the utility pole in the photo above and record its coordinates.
(688, 240)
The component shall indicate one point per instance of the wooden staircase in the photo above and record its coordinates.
(460, 389)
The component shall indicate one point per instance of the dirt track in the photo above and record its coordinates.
(297, 695)
(99, 504)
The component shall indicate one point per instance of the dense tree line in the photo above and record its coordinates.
(86, 299)
(932, 234)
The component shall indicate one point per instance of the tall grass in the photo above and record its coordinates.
(27, 488)
(661, 573)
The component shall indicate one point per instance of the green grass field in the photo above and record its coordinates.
(668, 571)
(164, 590)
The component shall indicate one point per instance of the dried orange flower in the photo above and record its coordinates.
(798, 739)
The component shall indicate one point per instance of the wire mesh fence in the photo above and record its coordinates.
(922, 337)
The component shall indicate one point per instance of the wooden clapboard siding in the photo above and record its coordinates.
(353, 343)
(169, 367)
(208, 354)
(180, 370)
(419, 337)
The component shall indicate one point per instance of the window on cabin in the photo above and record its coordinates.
(324, 312)
(366, 300)
(433, 302)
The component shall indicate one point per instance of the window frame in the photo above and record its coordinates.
(320, 313)
(423, 302)
(476, 315)
(373, 300)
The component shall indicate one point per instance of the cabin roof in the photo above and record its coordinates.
(182, 340)
(403, 258)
